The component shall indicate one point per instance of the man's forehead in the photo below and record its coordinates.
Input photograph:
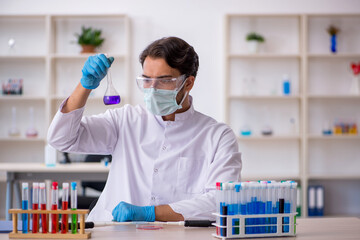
(157, 67)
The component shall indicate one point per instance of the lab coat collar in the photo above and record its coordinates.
(180, 116)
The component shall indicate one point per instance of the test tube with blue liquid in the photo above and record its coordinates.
(262, 205)
(25, 206)
(111, 96)
(287, 205)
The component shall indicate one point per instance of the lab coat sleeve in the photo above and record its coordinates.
(71, 132)
(225, 167)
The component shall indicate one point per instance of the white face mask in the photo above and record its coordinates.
(162, 102)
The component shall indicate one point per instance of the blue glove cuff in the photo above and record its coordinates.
(84, 81)
(150, 213)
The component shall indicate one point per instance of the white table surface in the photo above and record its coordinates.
(307, 229)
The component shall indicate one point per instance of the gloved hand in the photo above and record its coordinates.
(95, 69)
(127, 212)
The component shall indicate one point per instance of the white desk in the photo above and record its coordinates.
(16, 172)
(307, 229)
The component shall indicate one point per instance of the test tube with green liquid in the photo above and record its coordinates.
(73, 207)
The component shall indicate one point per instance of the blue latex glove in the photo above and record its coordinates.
(127, 212)
(95, 69)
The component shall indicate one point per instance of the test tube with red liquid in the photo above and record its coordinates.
(64, 206)
(35, 206)
(54, 206)
(42, 201)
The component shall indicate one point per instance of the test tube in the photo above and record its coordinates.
(281, 197)
(268, 208)
(287, 205)
(73, 207)
(42, 201)
(224, 209)
(250, 207)
(218, 202)
(275, 203)
(54, 206)
(236, 221)
(232, 203)
(35, 206)
(244, 203)
(64, 206)
(25, 206)
(262, 204)
(294, 200)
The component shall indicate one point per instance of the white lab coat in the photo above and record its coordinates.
(154, 162)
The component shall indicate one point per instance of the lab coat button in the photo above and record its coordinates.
(164, 148)
(155, 170)
(153, 198)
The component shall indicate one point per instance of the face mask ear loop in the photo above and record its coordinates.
(183, 99)
(180, 105)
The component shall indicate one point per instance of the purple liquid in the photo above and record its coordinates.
(109, 100)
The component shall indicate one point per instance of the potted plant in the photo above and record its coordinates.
(254, 39)
(333, 31)
(89, 39)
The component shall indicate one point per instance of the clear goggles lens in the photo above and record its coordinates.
(160, 83)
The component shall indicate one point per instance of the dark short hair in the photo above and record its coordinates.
(176, 52)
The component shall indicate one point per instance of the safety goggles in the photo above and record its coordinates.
(167, 83)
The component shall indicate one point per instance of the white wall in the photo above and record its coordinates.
(199, 22)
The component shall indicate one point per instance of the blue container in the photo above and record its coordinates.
(333, 43)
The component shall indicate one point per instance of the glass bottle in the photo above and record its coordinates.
(111, 95)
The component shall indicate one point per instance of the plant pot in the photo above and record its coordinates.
(88, 49)
(253, 46)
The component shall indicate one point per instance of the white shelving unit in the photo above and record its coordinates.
(48, 58)
(296, 45)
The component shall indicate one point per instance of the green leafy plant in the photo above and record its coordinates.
(332, 30)
(89, 36)
(253, 36)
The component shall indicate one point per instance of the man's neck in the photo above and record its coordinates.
(185, 106)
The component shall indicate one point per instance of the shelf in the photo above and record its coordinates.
(264, 55)
(334, 137)
(268, 177)
(333, 177)
(329, 97)
(21, 98)
(268, 138)
(21, 139)
(332, 56)
(264, 97)
(22, 57)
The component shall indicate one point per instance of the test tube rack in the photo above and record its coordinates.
(236, 227)
(81, 234)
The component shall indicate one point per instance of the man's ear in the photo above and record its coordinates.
(189, 83)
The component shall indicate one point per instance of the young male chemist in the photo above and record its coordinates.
(167, 157)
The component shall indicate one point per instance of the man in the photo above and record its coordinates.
(167, 157)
